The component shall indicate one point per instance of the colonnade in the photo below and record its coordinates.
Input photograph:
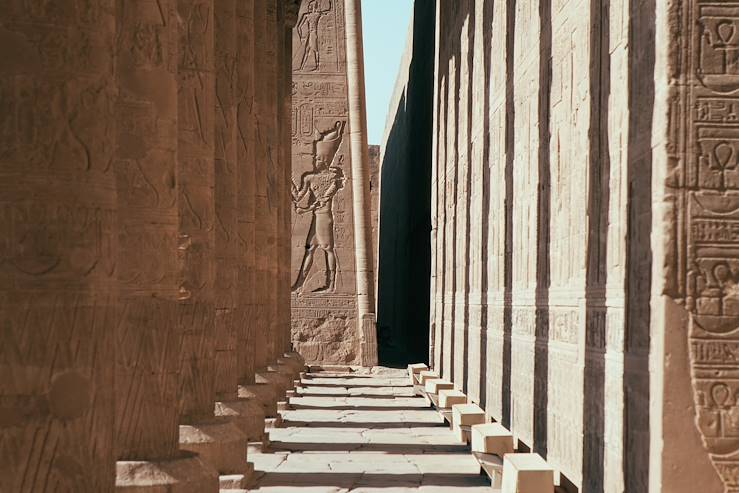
(144, 260)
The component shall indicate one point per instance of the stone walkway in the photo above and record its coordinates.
(364, 433)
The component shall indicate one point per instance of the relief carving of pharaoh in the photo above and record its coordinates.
(315, 195)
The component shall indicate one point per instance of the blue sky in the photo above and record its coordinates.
(385, 27)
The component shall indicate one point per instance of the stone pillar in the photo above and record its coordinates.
(57, 284)
(266, 161)
(291, 20)
(269, 192)
(230, 307)
(246, 348)
(360, 183)
(218, 441)
(246, 198)
(226, 211)
(147, 335)
(283, 212)
(261, 129)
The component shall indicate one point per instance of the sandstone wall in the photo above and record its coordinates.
(581, 242)
(405, 215)
(329, 210)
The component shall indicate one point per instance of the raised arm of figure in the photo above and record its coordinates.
(299, 194)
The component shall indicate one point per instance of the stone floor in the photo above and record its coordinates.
(364, 433)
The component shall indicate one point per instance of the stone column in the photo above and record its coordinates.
(246, 294)
(226, 212)
(57, 281)
(147, 335)
(269, 193)
(292, 8)
(360, 183)
(266, 161)
(246, 198)
(218, 441)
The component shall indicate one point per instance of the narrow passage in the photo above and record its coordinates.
(364, 433)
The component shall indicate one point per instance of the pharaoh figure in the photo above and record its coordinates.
(308, 33)
(320, 186)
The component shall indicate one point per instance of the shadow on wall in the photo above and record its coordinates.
(404, 264)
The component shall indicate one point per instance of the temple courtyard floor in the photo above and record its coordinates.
(363, 433)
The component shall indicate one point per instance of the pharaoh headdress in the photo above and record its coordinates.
(328, 143)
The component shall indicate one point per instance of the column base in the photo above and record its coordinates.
(218, 442)
(246, 414)
(295, 356)
(238, 481)
(186, 474)
(296, 365)
(277, 379)
(265, 394)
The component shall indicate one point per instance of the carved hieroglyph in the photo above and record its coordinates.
(705, 179)
(323, 267)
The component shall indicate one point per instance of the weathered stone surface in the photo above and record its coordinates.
(583, 266)
(57, 276)
(127, 144)
(328, 194)
(196, 218)
(341, 444)
(148, 336)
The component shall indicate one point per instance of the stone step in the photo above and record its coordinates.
(450, 397)
(526, 473)
(492, 438)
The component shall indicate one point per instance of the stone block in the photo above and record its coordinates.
(416, 368)
(426, 375)
(464, 416)
(527, 473)
(433, 386)
(451, 397)
(468, 414)
(492, 438)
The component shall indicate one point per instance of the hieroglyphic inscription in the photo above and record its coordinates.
(709, 189)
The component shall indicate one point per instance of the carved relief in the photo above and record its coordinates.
(319, 188)
(308, 32)
(709, 263)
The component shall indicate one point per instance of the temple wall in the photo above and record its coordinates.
(561, 300)
(327, 325)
